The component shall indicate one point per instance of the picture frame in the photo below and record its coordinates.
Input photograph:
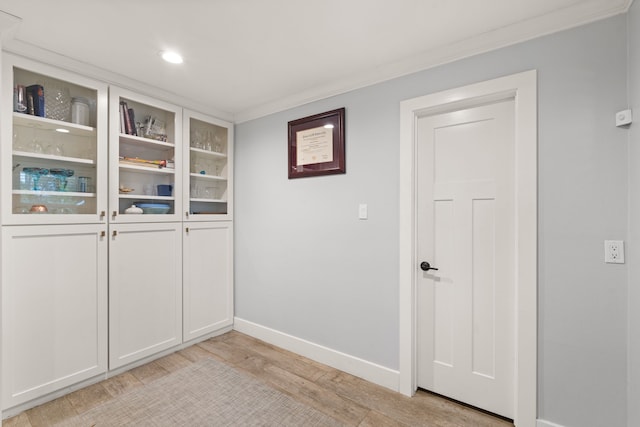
(317, 145)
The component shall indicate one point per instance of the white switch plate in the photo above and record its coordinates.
(362, 211)
(614, 251)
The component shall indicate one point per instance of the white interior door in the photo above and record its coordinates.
(465, 309)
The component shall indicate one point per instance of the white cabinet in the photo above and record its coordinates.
(207, 278)
(78, 299)
(54, 308)
(145, 290)
(145, 157)
(49, 163)
(54, 253)
(208, 165)
(145, 250)
(208, 213)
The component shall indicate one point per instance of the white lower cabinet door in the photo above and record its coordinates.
(145, 290)
(54, 308)
(208, 277)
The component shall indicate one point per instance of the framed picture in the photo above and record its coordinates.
(316, 145)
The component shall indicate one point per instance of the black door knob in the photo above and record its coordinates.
(425, 266)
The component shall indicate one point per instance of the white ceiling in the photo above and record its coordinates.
(246, 58)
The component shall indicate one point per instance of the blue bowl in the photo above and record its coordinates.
(154, 208)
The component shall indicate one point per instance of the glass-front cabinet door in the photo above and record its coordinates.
(145, 157)
(208, 158)
(54, 145)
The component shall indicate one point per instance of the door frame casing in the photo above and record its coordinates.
(521, 87)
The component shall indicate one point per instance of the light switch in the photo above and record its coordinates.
(363, 211)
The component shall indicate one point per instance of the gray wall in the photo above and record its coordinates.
(306, 266)
(633, 254)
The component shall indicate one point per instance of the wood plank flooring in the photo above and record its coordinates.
(351, 400)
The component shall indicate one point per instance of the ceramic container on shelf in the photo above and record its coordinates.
(80, 111)
(133, 210)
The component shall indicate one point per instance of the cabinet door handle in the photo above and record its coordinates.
(186, 229)
(115, 233)
(114, 214)
(102, 214)
(103, 233)
(186, 214)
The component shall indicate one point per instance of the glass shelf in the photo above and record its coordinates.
(140, 141)
(54, 193)
(146, 197)
(208, 200)
(43, 123)
(147, 169)
(205, 176)
(41, 156)
(208, 153)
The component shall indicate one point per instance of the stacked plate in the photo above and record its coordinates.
(154, 208)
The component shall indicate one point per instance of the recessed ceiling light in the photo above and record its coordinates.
(172, 57)
(61, 130)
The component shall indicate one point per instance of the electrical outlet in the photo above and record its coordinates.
(614, 251)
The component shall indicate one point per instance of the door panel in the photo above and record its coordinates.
(483, 287)
(466, 229)
(54, 308)
(208, 278)
(443, 298)
(145, 290)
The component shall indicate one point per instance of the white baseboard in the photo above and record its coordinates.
(353, 365)
(543, 423)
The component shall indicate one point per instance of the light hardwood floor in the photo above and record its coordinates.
(348, 399)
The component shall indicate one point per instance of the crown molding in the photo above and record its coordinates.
(8, 25)
(556, 21)
(35, 53)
